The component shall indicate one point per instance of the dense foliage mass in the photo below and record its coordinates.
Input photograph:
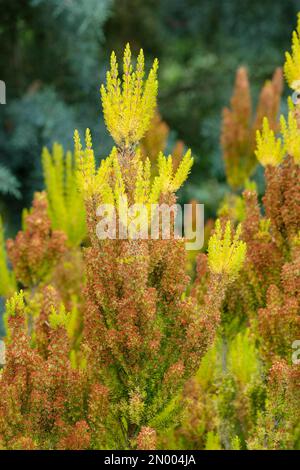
(109, 343)
(53, 57)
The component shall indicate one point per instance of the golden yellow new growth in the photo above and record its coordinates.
(85, 161)
(226, 252)
(7, 279)
(129, 104)
(108, 181)
(167, 181)
(269, 150)
(59, 317)
(291, 136)
(65, 203)
(15, 305)
(292, 63)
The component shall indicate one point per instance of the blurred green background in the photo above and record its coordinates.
(54, 54)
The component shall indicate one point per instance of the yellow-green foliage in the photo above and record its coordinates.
(128, 108)
(129, 103)
(7, 280)
(66, 207)
(209, 366)
(89, 181)
(107, 180)
(242, 358)
(228, 386)
(270, 150)
(167, 180)
(70, 321)
(291, 135)
(26, 305)
(59, 317)
(236, 443)
(226, 253)
(212, 441)
(292, 64)
(15, 305)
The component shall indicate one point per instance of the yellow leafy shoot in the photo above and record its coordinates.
(167, 181)
(292, 63)
(108, 181)
(85, 162)
(269, 150)
(65, 203)
(15, 306)
(291, 136)
(226, 252)
(129, 103)
(59, 318)
(7, 280)
(182, 171)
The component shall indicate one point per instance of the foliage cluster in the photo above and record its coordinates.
(105, 369)
(109, 343)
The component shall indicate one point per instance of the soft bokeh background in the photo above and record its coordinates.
(53, 57)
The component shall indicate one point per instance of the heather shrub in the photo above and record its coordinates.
(250, 399)
(99, 361)
(117, 342)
